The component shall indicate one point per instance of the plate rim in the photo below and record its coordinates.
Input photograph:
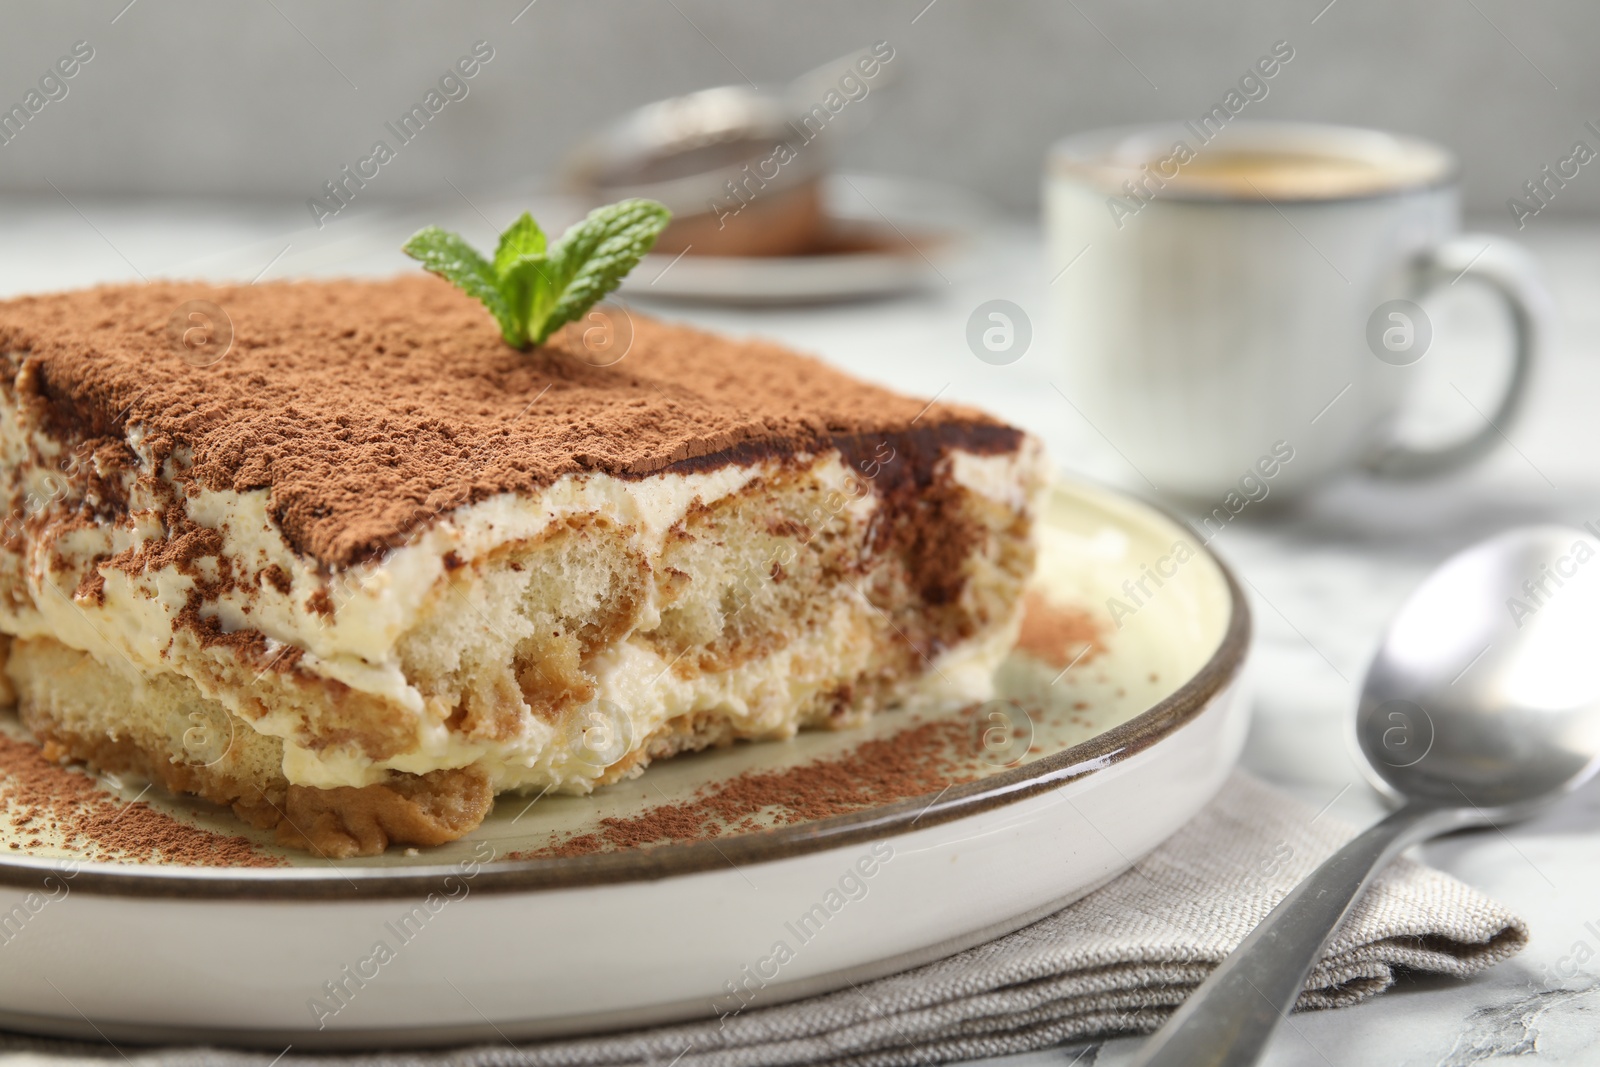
(675, 859)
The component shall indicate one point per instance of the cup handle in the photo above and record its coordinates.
(1512, 273)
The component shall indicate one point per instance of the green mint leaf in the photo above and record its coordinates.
(532, 283)
(590, 260)
(522, 238)
(447, 255)
(516, 261)
(533, 290)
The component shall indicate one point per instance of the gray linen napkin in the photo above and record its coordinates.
(1114, 962)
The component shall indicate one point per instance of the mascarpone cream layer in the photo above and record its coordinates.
(131, 626)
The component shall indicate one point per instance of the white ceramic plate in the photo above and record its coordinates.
(1121, 748)
(923, 235)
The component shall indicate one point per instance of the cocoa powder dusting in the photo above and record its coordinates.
(1056, 635)
(38, 795)
(917, 761)
(370, 408)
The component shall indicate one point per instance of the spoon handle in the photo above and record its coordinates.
(1228, 1020)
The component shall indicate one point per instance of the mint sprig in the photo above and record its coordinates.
(533, 290)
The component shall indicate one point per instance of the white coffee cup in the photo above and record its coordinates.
(1232, 299)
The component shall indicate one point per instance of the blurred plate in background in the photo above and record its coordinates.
(886, 236)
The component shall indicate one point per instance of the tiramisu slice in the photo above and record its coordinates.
(374, 565)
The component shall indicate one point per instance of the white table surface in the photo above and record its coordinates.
(1324, 576)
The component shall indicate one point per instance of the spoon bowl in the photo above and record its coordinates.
(1485, 691)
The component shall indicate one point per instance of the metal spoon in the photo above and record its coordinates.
(1482, 705)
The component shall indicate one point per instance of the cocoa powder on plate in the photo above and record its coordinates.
(38, 796)
(922, 759)
(1058, 635)
(917, 761)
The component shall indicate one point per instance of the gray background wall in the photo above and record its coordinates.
(272, 96)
